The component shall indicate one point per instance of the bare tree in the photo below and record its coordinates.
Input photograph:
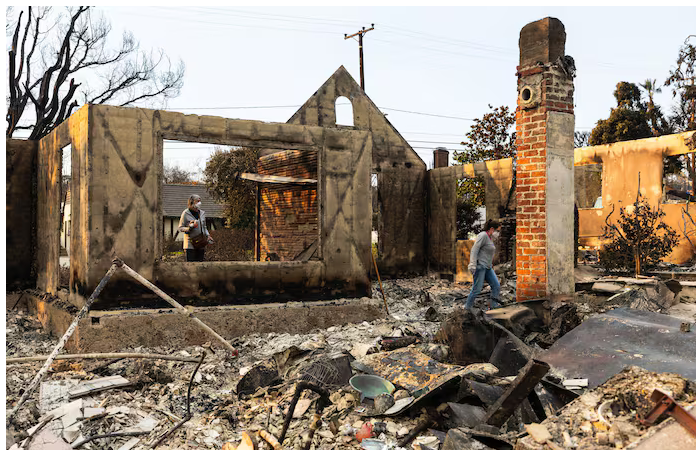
(173, 174)
(52, 56)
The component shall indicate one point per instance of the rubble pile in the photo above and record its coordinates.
(430, 376)
(609, 416)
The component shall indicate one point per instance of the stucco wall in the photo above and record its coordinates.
(622, 163)
(400, 170)
(20, 220)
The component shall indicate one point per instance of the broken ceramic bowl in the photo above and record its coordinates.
(370, 386)
(373, 444)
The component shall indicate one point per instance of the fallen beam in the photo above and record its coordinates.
(27, 359)
(59, 346)
(523, 385)
(142, 280)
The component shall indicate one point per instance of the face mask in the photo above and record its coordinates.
(198, 205)
(496, 234)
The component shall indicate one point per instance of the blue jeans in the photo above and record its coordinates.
(488, 275)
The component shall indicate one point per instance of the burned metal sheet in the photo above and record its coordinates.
(604, 344)
(412, 370)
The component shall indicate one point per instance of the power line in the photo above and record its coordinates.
(424, 114)
(297, 106)
(326, 22)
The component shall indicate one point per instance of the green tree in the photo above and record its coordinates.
(683, 82)
(221, 175)
(628, 121)
(56, 57)
(683, 117)
(489, 138)
(658, 123)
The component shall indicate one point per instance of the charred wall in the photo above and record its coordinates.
(117, 175)
(20, 208)
(400, 171)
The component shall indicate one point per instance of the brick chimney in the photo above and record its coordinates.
(441, 157)
(545, 188)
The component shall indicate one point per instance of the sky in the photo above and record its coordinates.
(432, 61)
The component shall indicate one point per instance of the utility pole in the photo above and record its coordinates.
(360, 35)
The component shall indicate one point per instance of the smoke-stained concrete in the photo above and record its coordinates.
(117, 161)
(400, 172)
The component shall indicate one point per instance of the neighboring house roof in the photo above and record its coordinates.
(175, 200)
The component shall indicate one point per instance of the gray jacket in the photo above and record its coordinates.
(482, 252)
(186, 217)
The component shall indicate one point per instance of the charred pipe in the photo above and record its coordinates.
(302, 386)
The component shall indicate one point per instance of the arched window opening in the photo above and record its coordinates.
(344, 112)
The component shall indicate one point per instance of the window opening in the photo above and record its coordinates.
(344, 112)
(65, 208)
(184, 167)
(376, 215)
(588, 186)
(676, 183)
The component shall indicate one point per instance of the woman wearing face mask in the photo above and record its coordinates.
(481, 264)
(196, 235)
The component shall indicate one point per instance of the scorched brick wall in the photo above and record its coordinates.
(289, 214)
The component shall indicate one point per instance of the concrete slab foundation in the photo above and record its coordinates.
(110, 331)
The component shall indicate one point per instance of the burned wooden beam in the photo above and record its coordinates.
(523, 385)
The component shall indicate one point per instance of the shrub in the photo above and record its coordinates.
(639, 239)
(231, 245)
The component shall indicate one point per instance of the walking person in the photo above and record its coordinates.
(196, 235)
(481, 264)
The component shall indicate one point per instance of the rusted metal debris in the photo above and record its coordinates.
(664, 404)
(393, 343)
(523, 385)
(412, 369)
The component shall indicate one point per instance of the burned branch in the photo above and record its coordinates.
(78, 50)
(688, 233)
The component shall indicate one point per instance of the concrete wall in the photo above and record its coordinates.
(401, 172)
(588, 185)
(442, 211)
(73, 132)
(20, 209)
(116, 194)
(621, 164)
(110, 331)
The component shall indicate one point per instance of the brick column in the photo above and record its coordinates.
(545, 126)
